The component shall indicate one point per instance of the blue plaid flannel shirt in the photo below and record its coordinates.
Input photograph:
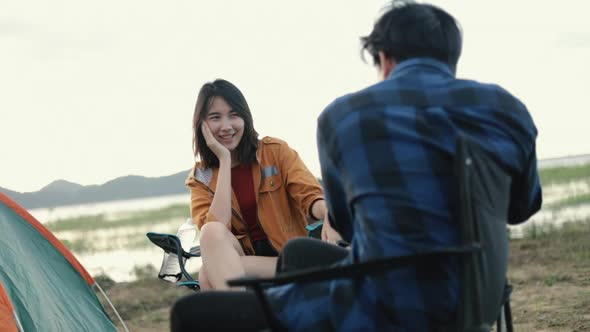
(386, 156)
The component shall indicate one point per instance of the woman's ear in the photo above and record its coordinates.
(387, 65)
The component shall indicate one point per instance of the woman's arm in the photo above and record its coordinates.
(221, 204)
(200, 202)
(302, 186)
(319, 210)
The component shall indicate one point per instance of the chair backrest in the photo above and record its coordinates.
(483, 200)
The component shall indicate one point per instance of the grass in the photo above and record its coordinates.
(564, 174)
(558, 278)
(95, 222)
(100, 228)
(108, 241)
(144, 304)
(551, 278)
(566, 230)
(80, 245)
(572, 200)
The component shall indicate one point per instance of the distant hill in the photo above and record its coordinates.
(61, 192)
(62, 186)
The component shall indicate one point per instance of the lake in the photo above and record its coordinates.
(118, 250)
(62, 212)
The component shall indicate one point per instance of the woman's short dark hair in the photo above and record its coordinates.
(246, 149)
(410, 30)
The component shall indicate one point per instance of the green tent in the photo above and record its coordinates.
(43, 287)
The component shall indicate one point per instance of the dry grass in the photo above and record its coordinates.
(145, 304)
(551, 278)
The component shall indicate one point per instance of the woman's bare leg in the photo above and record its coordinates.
(224, 259)
(204, 283)
(259, 266)
(220, 255)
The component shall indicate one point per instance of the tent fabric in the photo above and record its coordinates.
(7, 321)
(48, 235)
(44, 283)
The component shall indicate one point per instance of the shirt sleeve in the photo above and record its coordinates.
(302, 185)
(525, 192)
(201, 200)
(336, 199)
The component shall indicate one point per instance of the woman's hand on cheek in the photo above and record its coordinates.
(217, 148)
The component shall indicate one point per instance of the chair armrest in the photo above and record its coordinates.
(352, 270)
(169, 243)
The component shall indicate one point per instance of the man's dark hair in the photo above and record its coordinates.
(410, 30)
(246, 149)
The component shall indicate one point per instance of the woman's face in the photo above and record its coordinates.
(225, 124)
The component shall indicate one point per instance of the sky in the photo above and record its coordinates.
(94, 90)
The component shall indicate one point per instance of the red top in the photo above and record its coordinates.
(243, 185)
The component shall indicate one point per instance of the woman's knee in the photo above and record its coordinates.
(213, 232)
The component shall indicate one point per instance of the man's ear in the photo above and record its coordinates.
(387, 65)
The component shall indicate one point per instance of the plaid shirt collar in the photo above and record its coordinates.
(421, 63)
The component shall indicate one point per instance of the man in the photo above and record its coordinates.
(386, 155)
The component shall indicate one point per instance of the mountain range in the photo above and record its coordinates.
(62, 192)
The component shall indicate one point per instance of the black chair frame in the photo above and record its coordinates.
(171, 245)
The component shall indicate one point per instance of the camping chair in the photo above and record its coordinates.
(171, 245)
(482, 209)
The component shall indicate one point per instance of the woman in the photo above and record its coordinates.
(248, 196)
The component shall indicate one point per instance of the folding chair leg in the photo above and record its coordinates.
(504, 322)
(508, 316)
(501, 321)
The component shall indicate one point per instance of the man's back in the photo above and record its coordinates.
(396, 140)
(387, 165)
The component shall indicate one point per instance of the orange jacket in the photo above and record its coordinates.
(285, 191)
